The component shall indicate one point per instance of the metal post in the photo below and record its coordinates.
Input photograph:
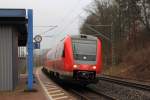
(30, 49)
(111, 40)
(113, 49)
(113, 45)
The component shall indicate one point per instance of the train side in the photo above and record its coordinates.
(76, 58)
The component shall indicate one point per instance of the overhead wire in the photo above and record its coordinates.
(72, 20)
(40, 26)
(71, 11)
(74, 9)
(50, 27)
(67, 16)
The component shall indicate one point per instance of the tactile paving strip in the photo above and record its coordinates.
(53, 91)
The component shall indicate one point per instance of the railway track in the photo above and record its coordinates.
(85, 93)
(80, 96)
(93, 92)
(102, 94)
(81, 92)
(125, 82)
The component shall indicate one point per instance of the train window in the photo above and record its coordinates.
(63, 53)
(50, 56)
(56, 53)
(59, 51)
(84, 50)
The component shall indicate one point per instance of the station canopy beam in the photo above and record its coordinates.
(17, 18)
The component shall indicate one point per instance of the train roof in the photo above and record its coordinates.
(79, 36)
(83, 36)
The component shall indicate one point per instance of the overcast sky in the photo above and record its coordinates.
(63, 13)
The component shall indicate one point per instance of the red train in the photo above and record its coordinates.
(76, 58)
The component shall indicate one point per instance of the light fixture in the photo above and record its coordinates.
(94, 67)
(75, 66)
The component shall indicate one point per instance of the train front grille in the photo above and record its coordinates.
(88, 75)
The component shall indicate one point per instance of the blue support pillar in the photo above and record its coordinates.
(30, 49)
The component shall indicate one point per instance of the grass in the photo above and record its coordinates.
(114, 70)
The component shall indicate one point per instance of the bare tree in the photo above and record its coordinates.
(129, 21)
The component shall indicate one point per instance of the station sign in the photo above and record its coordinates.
(36, 45)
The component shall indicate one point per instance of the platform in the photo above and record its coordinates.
(20, 94)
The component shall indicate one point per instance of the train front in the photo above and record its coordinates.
(87, 58)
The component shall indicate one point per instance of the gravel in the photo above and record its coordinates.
(121, 92)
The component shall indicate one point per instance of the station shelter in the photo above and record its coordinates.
(13, 34)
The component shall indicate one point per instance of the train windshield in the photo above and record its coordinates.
(84, 51)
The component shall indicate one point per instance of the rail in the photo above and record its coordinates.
(125, 82)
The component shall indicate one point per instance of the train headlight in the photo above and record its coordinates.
(75, 66)
(94, 67)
